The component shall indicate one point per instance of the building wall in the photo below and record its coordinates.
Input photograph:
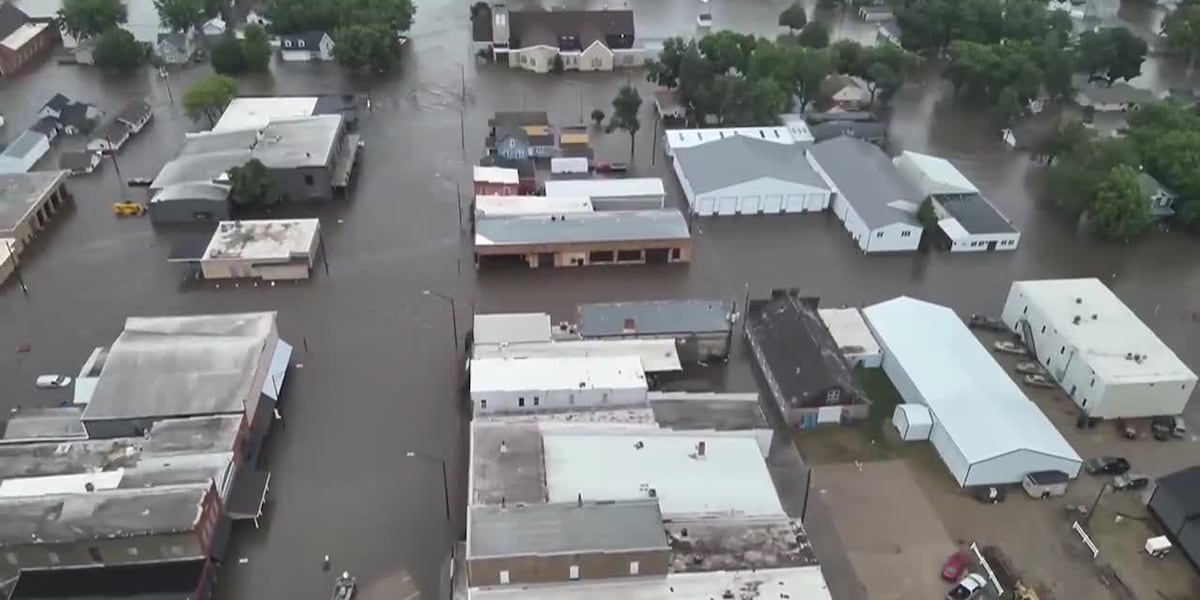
(296, 55)
(232, 269)
(853, 224)
(11, 61)
(579, 255)
(692, 347)
(1012, 467)
(1004, 241)
(894, 238)
(596, 57)
(188, 211)
(115, 551)
(762, 196)
(557, 567)
(488, 188)
(534, 399)
(647, 202)
(25, 163)
(537, 58)
(629, 57)
(295, 183)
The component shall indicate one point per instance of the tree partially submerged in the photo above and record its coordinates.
(117, 50)
(89, 18)
(253, 186)
(209, 96)
(625, 114)
(1121, 211)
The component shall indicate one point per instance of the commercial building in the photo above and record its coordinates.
(256, 112)
(801, 363)
(269, 250)
(876, 205)
(968, 221)
(500, 385)
(744, 175)
(854, 339)
(22, 39)
(599, 238)
(1175, 502)
(494, 207)
(794, 132)
(634, 193)
(28, 201)
(579, 40)
(496, 181)
(1109, 362)
(701, 329)
(529, 335)
(984, 428)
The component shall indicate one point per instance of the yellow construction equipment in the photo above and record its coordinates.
(128, 209)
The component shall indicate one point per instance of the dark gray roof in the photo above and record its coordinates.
(11, 19)
(114, 131)
(565, 528)
(1117, 93)
(739, 159)
(100, 515)
(866, 178)
(609, 226)
(77, 161)
(1149, 185)
(481, 25)
(42, 423)
(173, 38)
(311, 39)
(134, 111)
(863, 130)
(158, 580)
(57, 102)
(24, 144)
(657, 317)
(1184, 488)
(547, 27)
(75, 114)
(45, 125)
(975, 213)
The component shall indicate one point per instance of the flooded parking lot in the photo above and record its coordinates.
(379, 375)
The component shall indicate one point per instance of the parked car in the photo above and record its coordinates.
(139, 182)
(1180, 427)
(1045, 484)
(1107, 465)
(1162, 428)
(988, 494)
(986, 323)
(603, 166)
(1009, 347)
(955, 566)
(1130, 481)
(968, 587)
(1039, 380)
(1029, 367)
(49, 382)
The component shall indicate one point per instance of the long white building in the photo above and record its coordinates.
(538, 384)
(1109, 362)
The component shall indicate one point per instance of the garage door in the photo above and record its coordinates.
(794, 203)
(749, 205)
(772, 204)
(727, 205)
(706, 206)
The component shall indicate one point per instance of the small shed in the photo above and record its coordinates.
(913, 422)
(854, 339)
(24, 152)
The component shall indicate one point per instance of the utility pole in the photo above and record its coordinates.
(458, 200)
(462, 112)
(12, 255)
(324, 257)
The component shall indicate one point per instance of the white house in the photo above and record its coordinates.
(985, 429)
(176, 48)
(1109, 362)
(24, 152)
(875, 203)
(969, 221)
(794, 132)
(110, 138)
(584, 40)
(538, 384)
(631, 193)
(305, 47)
(744, 175)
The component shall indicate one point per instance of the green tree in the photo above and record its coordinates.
(881, 78)
(814, 35)
(117, 50)
(597, 116)
(1067, 138)
(846, 55)
(1075, 175)
(1110, 54)
(1120, 211)
(625, 114)
(256, 48)
(1187, 213)
(665, 70)
(793, 17)
(185, 15)
(1182, 28)
(1008, 107)
(358, 46)
(927, 214)
(227, 55)
(88, 18)
(251, 185)
(299, 16)
(209, 96)
(728, 51)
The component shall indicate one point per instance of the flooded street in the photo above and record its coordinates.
(379, 376)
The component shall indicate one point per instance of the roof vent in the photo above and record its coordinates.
(1128, 356)
(1095, 316)
(89, 487)
(1076, 319)
(653, 493)
(1078, 300)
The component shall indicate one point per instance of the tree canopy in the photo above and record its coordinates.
(1110, 54)
(933, 25)
(359, 46)
(116, 49)
(1121, 211)
(814, 35)
(227, 56)
(299, 16)
(251, 185)
(1182, 28)
(256, 48)
(793, 17)
(88, 18)
(209, 96)
(625, 114)
(183, 15)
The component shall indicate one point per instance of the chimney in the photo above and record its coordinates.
(700, 449)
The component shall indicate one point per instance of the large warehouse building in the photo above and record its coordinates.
(985, 429)
(1101, 353)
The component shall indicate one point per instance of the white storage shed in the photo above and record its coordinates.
(500, 385)
(635, 193)
(984, 427)
(913, 422)
(853, 337)
(573, 165)
(1109, 362)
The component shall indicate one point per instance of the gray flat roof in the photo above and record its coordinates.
(657, 317)
(42, 423)
(739, 159)
(100, 515)
(867, 180)
(608, 226)
(302, 142)
(976, 214)
(565, 528)
(515, 476)
(24, 143)
(737, 545)
(21, 192)
(182, 366)
(202, 167)
(682, 411)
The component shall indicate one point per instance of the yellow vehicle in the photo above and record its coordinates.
(128, 209)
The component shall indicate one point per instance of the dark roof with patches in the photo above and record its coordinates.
(975, 213)
(134, 111)
(76, 161)
(1184, 487)
(481, 25)
(798, 351)
(113, 131)
(46, 126)
(11, 19)
(57, 102)
(656, 317)
(549, 27)
(170, 580)
(75, 114)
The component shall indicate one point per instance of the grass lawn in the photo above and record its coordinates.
(869, 440)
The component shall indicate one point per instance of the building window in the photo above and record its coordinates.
(879, 234)
(287, 43)
(521, 402)
(11, 557)
(483, 404)
(624, 255)
(133, 551)
(299, 43)
(674, 253)
(308, 179)
(504, 577)
(832, 396)
(536, 401)
(604, 256)
(501, 19)
(596, 63)
(905, 233)
(634, 567)
(574, 572)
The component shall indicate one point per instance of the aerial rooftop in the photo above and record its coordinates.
(256, 113)
(559, 373)
(737, 544)
(273, 240)
(61, 423)
(656, 355)
(511, 328)
(582, 228)
(21, 192)
(517, 530)
(655, 317)
(799, 583)
(605, 188)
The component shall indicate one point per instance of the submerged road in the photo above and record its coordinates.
(379, 377)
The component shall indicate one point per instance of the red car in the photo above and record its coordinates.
(604, 166)
(956, 565)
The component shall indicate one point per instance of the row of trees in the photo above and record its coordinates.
(931, 26)
(233, 56)
(364, 31)
(100, 20)
(1100, 177)
(735, 79)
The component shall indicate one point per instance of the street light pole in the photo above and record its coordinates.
(445, 479)
(453, 314)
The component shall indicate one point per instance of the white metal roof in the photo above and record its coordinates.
(508, 206)
(953, 229)
(1107, 330)
(262, 240)
(606, 188)
(933, 175)
(971, 395)
(256, 113)
(21, 35)
(849, 330)
(795, 132)
(509, 328)
(731, 478)
(497, 175)
(559, 373)
(657, 356)
(916, 414)
(807, 583)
